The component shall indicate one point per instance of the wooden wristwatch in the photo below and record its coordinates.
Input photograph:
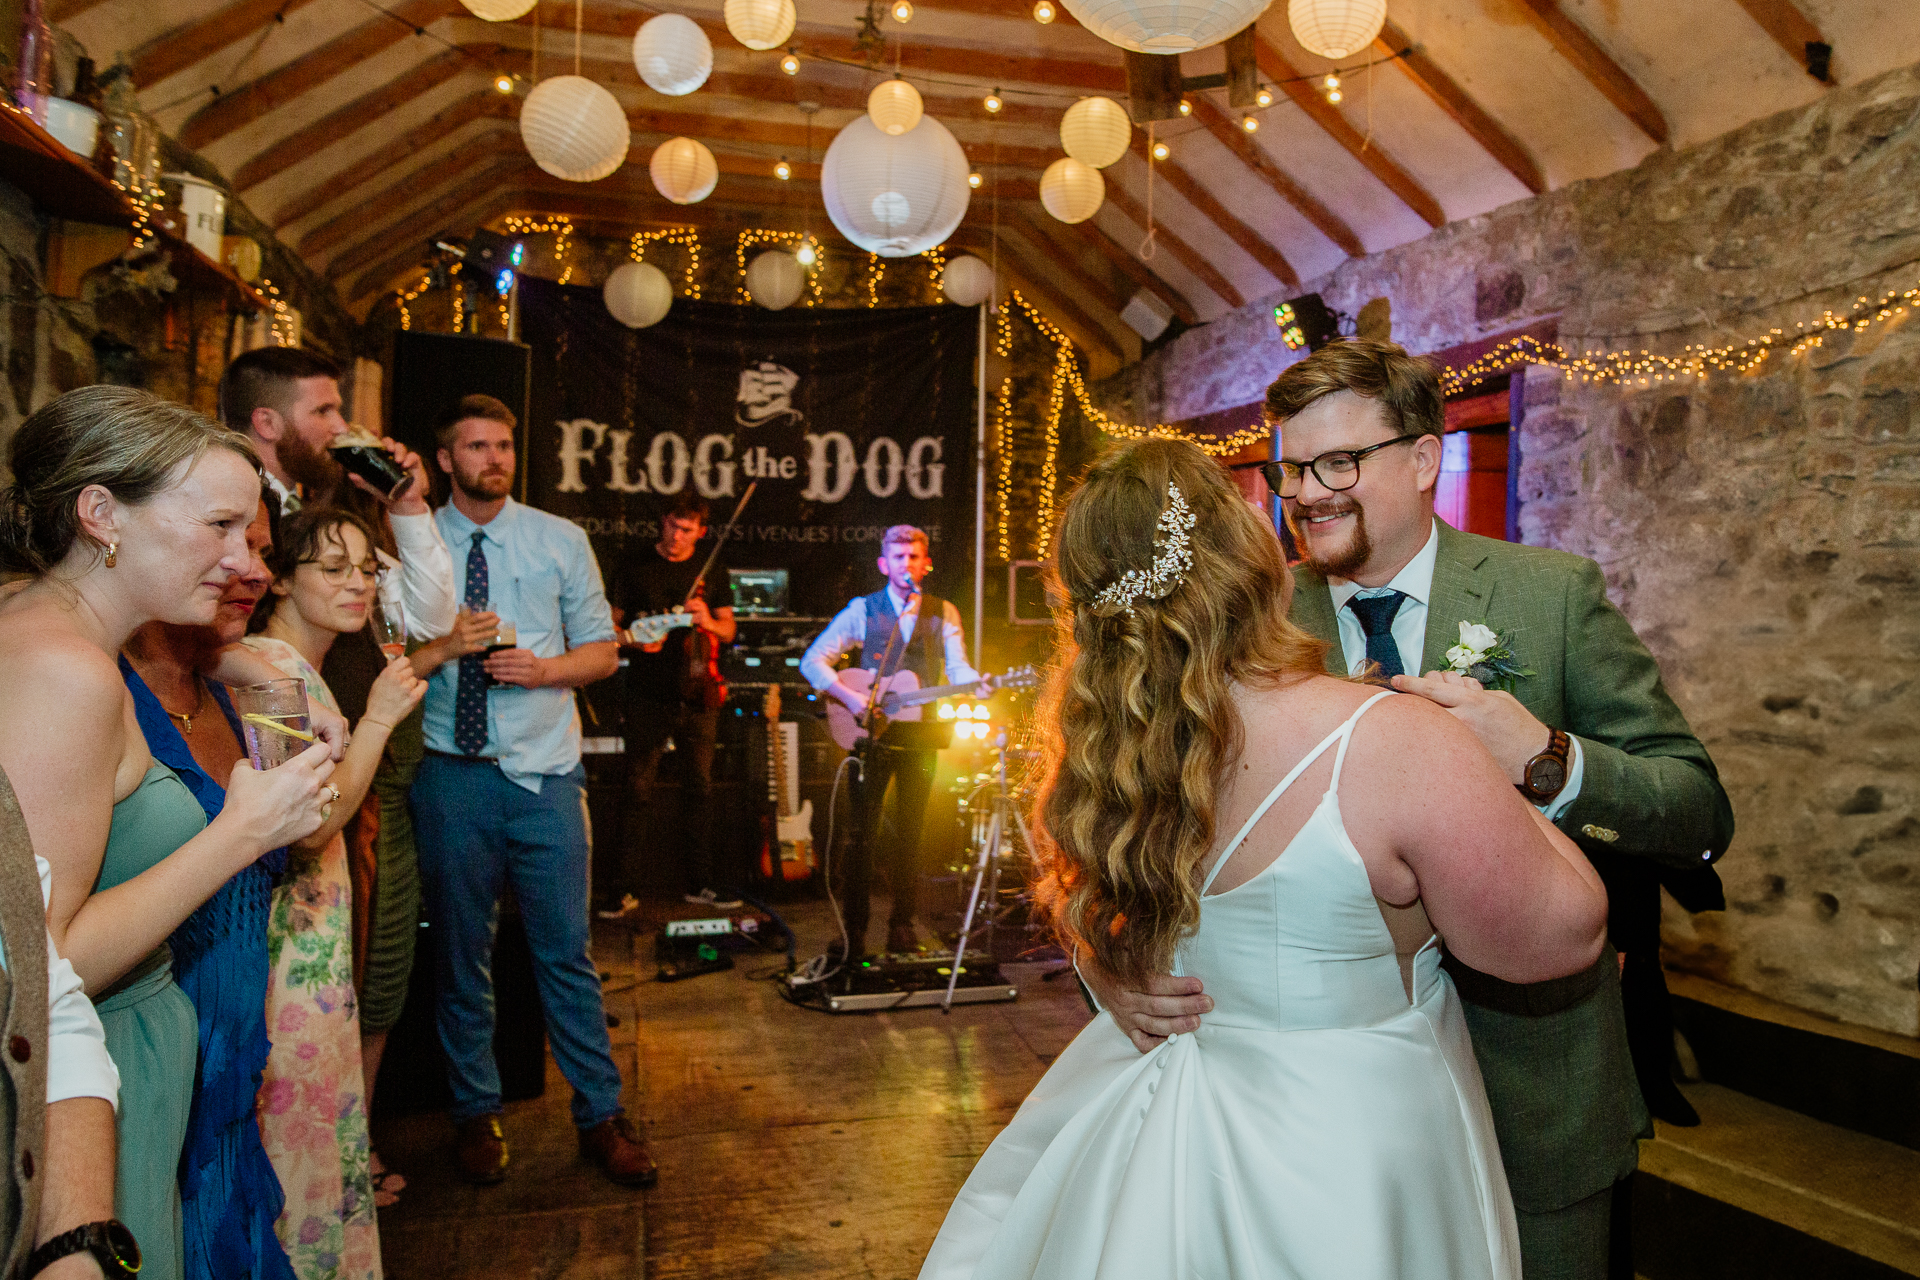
(111, 1244)
(1545, 776)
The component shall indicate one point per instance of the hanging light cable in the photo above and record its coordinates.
(1147, 246)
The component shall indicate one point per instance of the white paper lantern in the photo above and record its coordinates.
(499, 10)
(967, 281)
(1164, 26)
(895, 196)
(683, 170)
(1071, 191)
(1336, 28)
(637, 294)
(895, 106)
(672, 54)
(574, 129)
(1096, 131)
(774, 280)
(760, 24)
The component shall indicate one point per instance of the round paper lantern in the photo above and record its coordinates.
(672, 54)
(637, 294)
(895, 106)
(1164, 26)
(499, 10)
(1096, 131)
(774, 280)
(1336, 28)
(683, 170)
(967, 281)
(1071, 191)
(895, 196)
(760, 24)
(574, 128)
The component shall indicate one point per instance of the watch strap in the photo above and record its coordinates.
(1559, 748)
(92, 1237)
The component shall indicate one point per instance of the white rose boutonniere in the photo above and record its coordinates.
(1484, 654)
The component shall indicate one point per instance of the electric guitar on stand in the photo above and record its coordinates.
(901, 698)
(789, 855)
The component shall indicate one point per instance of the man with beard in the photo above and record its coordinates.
(501, 796)
(1588, 734)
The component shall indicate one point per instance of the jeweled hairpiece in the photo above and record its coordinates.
(1170, 565)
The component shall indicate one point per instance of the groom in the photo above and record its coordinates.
(1590, 737)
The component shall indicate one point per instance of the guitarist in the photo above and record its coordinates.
(885, 627)
(668, 698)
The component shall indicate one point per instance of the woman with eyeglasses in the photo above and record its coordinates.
(312, 1104)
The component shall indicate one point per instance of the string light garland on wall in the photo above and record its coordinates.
(1003, 443)
(754, 237)
(562, 229)
(936, 264)
(281, 325)
(686, 237)
(875, 269)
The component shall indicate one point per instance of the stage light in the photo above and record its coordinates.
(805, 255)
(1306, 321)
(1043, 12)
(1161, 151)
(1264, 98)
(993, 103)
(902, 10)
(503, 84)
(791, 63)
(1250, 124)
(946, 711)
(1186, 108)
(980, 711)
(974, 180)
(519, 253)
(503, 282)
(783, 170)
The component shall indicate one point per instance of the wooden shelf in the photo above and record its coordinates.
(196, 270)
(60, 182)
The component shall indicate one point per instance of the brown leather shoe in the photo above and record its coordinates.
(621, 1153)
(482, 1150)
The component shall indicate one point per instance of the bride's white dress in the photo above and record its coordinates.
(1319, 1126)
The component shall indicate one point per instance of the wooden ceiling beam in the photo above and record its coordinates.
(427, 220)
(1275, 66)
(947, 106)
(1052, 234)
(411, 143)
(1027, 226)
(1789, 27)
(1135, 270)
(1018, 259)
(1271, 259)
(1573, 43)
(283, 84)
(1264, 167)
(403, 189)
(1195, 262)
(184, 45)
(1459, 106)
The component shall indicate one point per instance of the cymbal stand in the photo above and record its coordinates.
(986, 872)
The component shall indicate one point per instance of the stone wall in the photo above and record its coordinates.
(1762, 530)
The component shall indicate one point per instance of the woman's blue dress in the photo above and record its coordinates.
(229, 1194)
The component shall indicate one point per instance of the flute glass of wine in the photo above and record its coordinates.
(389, 624)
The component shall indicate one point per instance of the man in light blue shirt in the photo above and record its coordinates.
(501, 799)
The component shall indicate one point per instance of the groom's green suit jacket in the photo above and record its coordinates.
(1559, 1079)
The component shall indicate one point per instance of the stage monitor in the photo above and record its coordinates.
(759, 593)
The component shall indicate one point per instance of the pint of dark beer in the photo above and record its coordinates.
(364, 456)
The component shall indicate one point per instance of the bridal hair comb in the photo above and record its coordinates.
(1173, 558)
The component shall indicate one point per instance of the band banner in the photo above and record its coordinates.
(850, 420)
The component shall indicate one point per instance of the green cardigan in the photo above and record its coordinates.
(1565, 1104)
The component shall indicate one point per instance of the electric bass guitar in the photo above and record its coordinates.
(901, 698)
(789, 855)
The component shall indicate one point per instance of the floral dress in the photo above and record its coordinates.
(313, 1115)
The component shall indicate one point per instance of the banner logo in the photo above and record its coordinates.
(766, 395)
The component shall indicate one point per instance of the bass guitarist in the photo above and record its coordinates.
(673, 695)
(885, 628)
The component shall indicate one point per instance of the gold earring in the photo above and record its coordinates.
(113, 550)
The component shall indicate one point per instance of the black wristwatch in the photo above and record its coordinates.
(1545, 776)
(110, 1243)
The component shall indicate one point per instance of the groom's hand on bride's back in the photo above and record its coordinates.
(1168, 1006)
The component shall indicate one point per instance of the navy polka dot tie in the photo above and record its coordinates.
(470, 703)
(1376, 620)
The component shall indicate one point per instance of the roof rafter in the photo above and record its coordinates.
(412, 142)
(1195, 262)
(185, 45)
(1135, 270)
(1573, 43)
(1017, 257)
(1265, 168)
(1271, 259)
(1460, 107)
(1789, 27)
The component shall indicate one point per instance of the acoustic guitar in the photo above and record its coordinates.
(901, 698)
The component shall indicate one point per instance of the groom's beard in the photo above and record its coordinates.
(1342, 559)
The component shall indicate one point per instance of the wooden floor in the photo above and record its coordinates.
(790, 1142)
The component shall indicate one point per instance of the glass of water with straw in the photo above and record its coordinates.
(275, 720)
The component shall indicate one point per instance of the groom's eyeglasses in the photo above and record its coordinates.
(1336, 470)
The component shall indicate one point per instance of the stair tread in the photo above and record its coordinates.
(1858, 1192)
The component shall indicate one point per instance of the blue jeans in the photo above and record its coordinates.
(477, 832)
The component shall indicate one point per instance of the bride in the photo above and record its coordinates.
(1327, 1121)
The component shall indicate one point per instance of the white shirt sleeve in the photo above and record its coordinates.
(78, 1064)
(1576, 774)
(959, 670)
(848, 628)
(425, 585)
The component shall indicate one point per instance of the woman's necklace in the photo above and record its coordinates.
(200, 701)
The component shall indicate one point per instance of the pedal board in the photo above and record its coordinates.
(891, 982)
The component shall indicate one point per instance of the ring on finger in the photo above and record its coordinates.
(334, 792)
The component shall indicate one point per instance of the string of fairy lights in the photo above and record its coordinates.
(686, 237)
(753, 237)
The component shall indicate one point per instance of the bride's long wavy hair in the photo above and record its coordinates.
(1139, 723)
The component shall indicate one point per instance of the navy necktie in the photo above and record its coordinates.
(470, 702)
(1376, 620)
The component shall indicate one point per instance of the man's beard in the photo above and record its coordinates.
(486, 486)
(314, 470)
(1347, 561)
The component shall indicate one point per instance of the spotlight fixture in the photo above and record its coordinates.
(791, 63)
(1043, 12)
(902, 10)
(783, 170)
(1263, 98)
(1161, 151)
(1186, 108)
(974, 179)
(1306, 321)
(805, 255)
(993, 103)
(1249, 124)
(503, 84)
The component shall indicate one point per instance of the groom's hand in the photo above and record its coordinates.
(1505, 728)
(1168, 1006)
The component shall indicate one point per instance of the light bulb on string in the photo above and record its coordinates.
(1263, 98)
(783, 170)
(805, 255)
(791, 63)
(1186, 108)
(902, 10)
(1332, 85)
(503, 84)
(1161, 151)
(1335, 97)
(993, 103)
(1250, 124)
(1043, 12)
(974, 179)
